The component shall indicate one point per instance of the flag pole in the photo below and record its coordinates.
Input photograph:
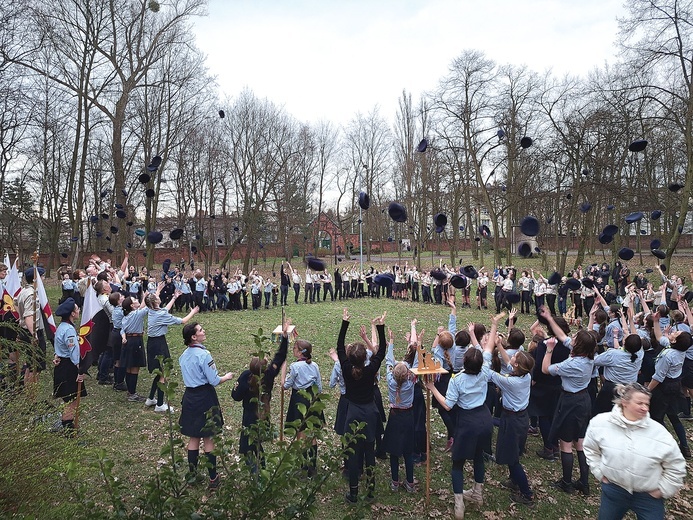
(79, 383)
(34, 333)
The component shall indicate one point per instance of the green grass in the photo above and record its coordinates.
(33, 461)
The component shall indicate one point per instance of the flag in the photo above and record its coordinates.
(10, 290)
(45, 306)
(90, 307)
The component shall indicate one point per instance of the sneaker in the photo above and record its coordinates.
(448, 446)
(546, 453)
(150, 402)
(582, 488)
(350, 499)
(409, 487)
(488, 458)
(214, 484)
(519, 498)
(394, 485)
(686, 452)
(685, 416)
(164, 408)
(533, 431)
(564, 486)
(509, 484)
(136, 398)
(120, 387)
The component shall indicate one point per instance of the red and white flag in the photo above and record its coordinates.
(90, 307)
(45, 306)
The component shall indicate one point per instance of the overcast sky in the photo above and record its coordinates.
(329, 59)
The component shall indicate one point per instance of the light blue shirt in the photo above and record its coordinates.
(669, 363)
(158, 321)
(399, 396)
(66, 342)
(117, 317)
(613, 329)
(198, 367)
(303, 375)
(515, 389)
(133, 323)
(468, 391)
(336, 378)
(575, 372)
(618, 368)
(201, 285)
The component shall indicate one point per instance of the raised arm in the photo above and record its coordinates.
(557, 331)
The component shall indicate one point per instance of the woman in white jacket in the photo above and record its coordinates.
(634, 457)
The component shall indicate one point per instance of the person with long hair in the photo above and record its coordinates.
(304, 377)
(474, 425)
(574, 408)
(158, 321)
(666, 380)
(635, 458)
(514, 383)
(132, 355)
(399, 434)
(254, 390)
(359, 380)
(200, 401)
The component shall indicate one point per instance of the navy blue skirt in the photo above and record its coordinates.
(200, 404)
(156, 346)
(294, 414)
(512, 436)
(399, 432)
(573, 413)
(472, 427)
(366, 413)
(340, 418)
(132, 353)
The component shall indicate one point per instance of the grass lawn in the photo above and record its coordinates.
(34, 461)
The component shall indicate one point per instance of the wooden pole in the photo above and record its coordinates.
(79, 399)
(428, 377)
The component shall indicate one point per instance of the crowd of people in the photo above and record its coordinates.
(595, 376)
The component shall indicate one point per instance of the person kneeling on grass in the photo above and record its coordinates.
(200, 377)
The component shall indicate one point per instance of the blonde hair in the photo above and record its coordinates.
(400, 374)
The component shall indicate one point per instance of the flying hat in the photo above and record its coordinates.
(485, 231)
(118, 205)
(655, 214)
(99, 234)
(625, 253)
(634, 217)
(65, 309)
(315, 264)
(458, 281)
(140, 232)
(384, 279)
(588, 282)
(605, 239)
(222, 114)
(121, 213)
(129, 223)
(74, 239)
(675, 186)
(154, 237)
(638, 145)
(29, 274)
(659, 254)
(397, 212)
(438, 274)
(585, 171)
(477, 239)
(663, 267)
(526, 142)
(440, 220)
(124, 192)
(555, 278)
(105, 216)
(610, 230)
(500, 133)
(529, 226)
(220, 241)
(364, 200)
(108, 238)
(94, 219)
(656, 244)
(573, 284)
(109, 250)
(470, 272)
(193, 250)
(176, 234)
(585, 207)
(461, 228)
(568, 196)
(150, 193)
(144, 178)
(423, 145)
(128, 245)
(524, 249)
(63, 254)
(154, 165)
(104, 194)
(114, 229)
(610, 207)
